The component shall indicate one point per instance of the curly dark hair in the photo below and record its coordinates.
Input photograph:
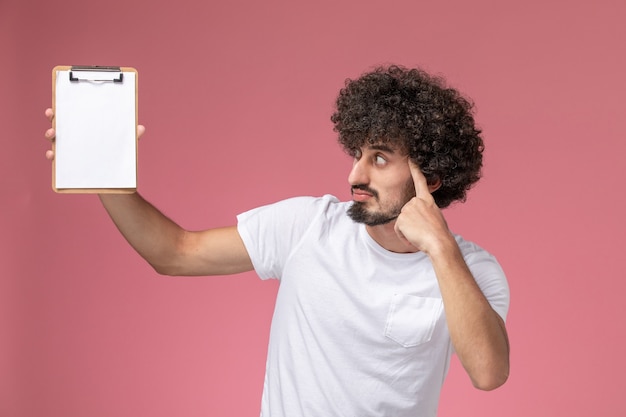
(417, 112)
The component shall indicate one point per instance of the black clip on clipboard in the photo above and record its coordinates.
(82, 73)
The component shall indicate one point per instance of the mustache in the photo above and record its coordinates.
(365, 188)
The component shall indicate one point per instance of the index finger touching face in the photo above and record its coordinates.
(419, 180)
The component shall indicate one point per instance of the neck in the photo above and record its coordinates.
(386, 236)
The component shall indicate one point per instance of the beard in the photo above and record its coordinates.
(359, 212)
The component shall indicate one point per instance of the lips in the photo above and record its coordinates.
(360, 196)
(360, 193)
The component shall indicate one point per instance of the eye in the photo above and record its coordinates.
(380, 160)
(356, 154)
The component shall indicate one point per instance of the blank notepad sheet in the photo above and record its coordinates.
(96, 131)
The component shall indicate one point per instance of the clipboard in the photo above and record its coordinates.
(95, 119)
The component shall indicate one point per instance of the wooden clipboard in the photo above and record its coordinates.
(95, 120)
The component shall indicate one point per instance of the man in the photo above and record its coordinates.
(376, 293)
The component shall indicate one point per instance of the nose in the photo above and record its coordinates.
(358, 174)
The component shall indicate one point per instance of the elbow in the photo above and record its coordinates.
(490, 385)
(169, 260)
(491, 380)
(170, 270)
(163, 270)
(163, 267)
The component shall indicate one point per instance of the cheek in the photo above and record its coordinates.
(409, 189)
(399, 192)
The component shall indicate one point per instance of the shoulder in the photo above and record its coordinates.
(483, 264)
(488, 274)
(471, 250)
(272, 232)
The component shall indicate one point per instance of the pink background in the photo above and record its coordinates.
(236, 98)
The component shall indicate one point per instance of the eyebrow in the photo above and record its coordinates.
(382, 147)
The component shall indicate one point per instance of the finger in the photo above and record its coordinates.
(50, 155)
(50, 134)
(49, 114)
(419, 180)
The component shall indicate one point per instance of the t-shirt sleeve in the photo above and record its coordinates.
(491, 279)
(270, 233)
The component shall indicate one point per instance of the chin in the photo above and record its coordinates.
(360, 214)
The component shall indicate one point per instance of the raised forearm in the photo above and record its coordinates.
(155, 237)
(476, 330)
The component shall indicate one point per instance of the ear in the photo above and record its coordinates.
(434, 185)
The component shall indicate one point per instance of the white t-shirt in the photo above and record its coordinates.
(357, 331)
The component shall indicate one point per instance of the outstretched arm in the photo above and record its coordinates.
(477, 332)
(170, 249)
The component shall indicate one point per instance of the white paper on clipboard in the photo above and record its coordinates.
(96, 130)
